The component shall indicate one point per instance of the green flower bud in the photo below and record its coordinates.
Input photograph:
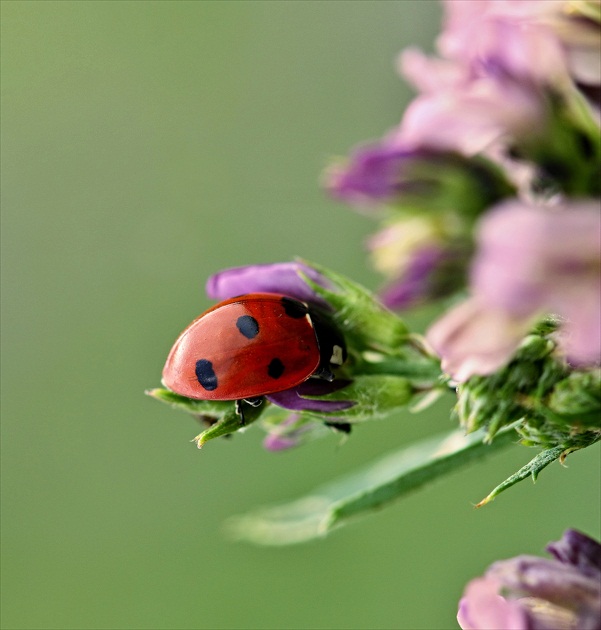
(575, 402)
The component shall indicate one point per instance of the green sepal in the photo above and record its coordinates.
(576, 401)
(435, 182)
(568, 151)
(363, 492)
(417, 365)
(365, 323)
(229, 423)
(516, 391)
(211, 408)
(374, 397)
(220, 414)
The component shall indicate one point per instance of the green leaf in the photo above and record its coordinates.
(380, 483)
(531, 469)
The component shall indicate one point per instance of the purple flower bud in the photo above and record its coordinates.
(530, 593)
(417, 283)
(578, 550)
(275, 443)
(286, 435)
(420, 260)
(281, 278)
(293, 398)
(374, 174)
(294, 431)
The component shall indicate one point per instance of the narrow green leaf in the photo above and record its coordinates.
(531, 469)
(383, 481)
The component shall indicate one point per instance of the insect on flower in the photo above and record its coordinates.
(253, 345)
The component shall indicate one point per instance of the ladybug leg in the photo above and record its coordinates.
(240, 411)
(342, 427)
(253, 402)
(325, 373)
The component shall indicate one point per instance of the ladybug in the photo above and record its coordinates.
(250, 346)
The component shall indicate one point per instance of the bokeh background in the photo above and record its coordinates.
(145, 146)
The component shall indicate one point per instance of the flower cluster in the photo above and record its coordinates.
(488, 193)
(490, 183)
(488, 196)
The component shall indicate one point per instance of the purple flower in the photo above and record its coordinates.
(418, 281)
(517, 34)
(472, 339)
(297, 430)
(530, 593)
(531, 261)
(421, 257)
(500, 61)
(548, 40)
(471, 119)
(374, 174)
(409, 251)
(281, 278)
(484, 89)
(534, 260)
(285, 279)
(288, 434)
(466, 112)
(293, 399)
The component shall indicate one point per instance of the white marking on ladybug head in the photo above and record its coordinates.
(337, 355)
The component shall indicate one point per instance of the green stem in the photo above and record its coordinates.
(400, 367)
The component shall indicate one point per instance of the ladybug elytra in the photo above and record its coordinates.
(250, 346)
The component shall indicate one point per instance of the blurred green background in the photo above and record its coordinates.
(146, 145)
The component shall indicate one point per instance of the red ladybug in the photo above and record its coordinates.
(250, 346)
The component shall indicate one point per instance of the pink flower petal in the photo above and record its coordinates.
(474, 340)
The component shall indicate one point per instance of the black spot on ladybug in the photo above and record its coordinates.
(248, 326)
(294, 308)
(205, 374)
(275, 369)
